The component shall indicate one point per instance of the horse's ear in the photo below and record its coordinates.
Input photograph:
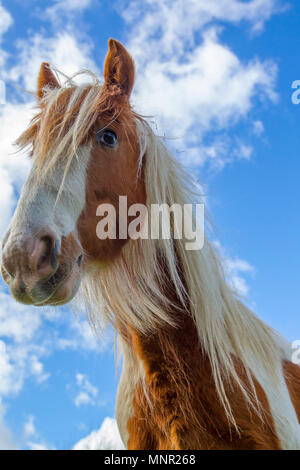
(119, 67)
(46, 78)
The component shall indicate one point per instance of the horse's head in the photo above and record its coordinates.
(85, 153)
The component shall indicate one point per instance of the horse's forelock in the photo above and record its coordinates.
(65, 118)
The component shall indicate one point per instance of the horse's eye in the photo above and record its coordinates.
(107, 137)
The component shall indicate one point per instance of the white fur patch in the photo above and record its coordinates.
(37, 207)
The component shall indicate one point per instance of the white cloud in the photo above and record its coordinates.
(20, 348)
(17, 363)
(63, 50)
(235, 269)
(244, 151)
(66, 7)
(29, 427)
(17, 322)
(258, 128)
(36, 367)
(25, 341)
(71, 5)
(5, 20)
(38, 446)
(81, 336)
(173, 22)
(107, 437)
(13, 167)
(87, 392)
(7, 382)
(31, 436)
(190, 81)
(83, 398)
(238, 268)
(218, 153)
(7, 441)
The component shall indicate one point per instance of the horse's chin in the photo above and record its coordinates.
(61, 294)
(65, 292)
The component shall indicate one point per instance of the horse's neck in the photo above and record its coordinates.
(172, 401)
(165, 341)
(168, 397)
(161, 365)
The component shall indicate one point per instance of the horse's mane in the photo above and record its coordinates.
(130, 290)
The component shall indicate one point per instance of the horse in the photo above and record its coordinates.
(200, 370)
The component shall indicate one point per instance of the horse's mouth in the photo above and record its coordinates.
(63, 292)
(59, 289)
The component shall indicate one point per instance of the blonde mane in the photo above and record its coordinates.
(130, 290)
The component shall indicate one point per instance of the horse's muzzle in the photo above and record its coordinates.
(42, 269)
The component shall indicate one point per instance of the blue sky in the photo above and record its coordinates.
(217, 78)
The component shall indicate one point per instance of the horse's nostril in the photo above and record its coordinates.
(79, 260)
(32, 258)
(54, 254)
(45, 255)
